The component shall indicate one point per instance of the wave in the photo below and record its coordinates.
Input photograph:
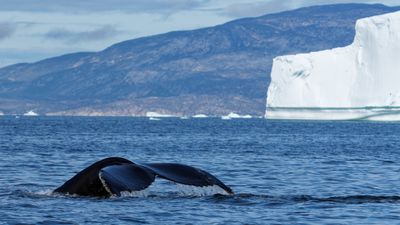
(135, 194)
(189, 190)
(215, 193)
(361, 199)
(351, 199)
(181, 191)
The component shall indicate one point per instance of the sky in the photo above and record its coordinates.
(32, 30)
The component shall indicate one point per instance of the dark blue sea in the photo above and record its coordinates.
(283, 172)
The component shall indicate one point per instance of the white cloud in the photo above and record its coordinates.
(45, 28)
(251, 8)
(68, 6)
(7, 30)
(71, 36)
(65, 33)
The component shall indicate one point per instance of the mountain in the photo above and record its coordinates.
(211, 71)
(359, 81)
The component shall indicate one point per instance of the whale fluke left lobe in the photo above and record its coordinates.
(87, 182)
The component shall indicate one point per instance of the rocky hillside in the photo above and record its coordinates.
(214, 70)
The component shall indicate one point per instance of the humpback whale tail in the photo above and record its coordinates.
(111, 176)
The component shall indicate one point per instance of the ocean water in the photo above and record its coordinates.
(283, 172)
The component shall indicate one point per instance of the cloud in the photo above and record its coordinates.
(81, 6)
(102, 33)
(7, 30)
(233, 8)
(257, 8)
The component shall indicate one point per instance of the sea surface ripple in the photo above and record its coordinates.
(283, 172)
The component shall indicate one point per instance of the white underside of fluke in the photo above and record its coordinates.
(105, 185)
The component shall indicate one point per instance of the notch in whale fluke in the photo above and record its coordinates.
(112, 176)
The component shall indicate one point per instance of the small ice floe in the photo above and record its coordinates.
(226, 118)
(184, 118)
(157, 115)
(200, 116)
(31, 113)
(235, 116)
(1, 113)
(154, 118)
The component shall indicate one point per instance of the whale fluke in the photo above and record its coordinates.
(111, 176)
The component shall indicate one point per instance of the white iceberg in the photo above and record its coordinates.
(154, 118)
(200, 116)
(157, 115)
(360, 81)
(235, 116)
(31, 113)
(226, 118)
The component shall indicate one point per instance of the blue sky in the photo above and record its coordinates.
(32, 30)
